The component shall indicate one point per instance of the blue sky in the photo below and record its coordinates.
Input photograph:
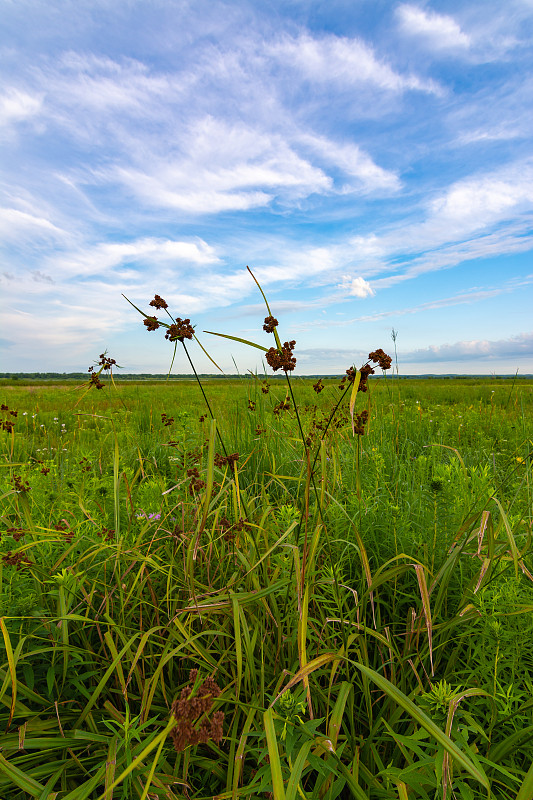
(372, 161)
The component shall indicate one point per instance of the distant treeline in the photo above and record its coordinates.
(146, 376)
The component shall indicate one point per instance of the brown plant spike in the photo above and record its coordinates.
(282, 359)
(187, 710)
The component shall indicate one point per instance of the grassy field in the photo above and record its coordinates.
(265, 604)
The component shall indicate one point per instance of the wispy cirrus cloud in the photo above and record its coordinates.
(439, 31)
(15, 223)
(344, 61)
(17, 105)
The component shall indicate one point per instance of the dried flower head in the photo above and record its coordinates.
(18, 560)
(158, 302)
(270, 324)
(108, 534)
(106, 362)
(180, 330)
(19, 485)
(360, 422)
(230, 460)
(282, 359)
(189, 709)
(318, 386)
(16, 533)
(151, 323)
(284, 405)
(380, 357)
(95, 381)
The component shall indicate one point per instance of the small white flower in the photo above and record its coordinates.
(24, 413)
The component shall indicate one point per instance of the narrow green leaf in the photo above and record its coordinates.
(20, 779)
(510, 537)
(207, 354)
(275, 765)
(238, 339)
(297, 769)
(12, 669)
(526, 790)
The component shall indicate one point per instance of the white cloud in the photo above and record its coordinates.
(354, 162)
(223, 166)
(357, 287)
(149, 252)
(14, 223)
(440, 31)
(348, 62)
(479, 216)
(100, 84)
(17, 105)
(520, 346)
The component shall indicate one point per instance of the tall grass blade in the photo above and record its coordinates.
(526, 790)
(278, 787)
(12, 669)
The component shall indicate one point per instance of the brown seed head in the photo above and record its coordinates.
(106, 362)
(95, 381)
(270, 324)
(158, 302)
(187, 710)
(380, 357)
(182, 329)
(151, 323)
(282, 359)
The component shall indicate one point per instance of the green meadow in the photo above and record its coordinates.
(261, 602)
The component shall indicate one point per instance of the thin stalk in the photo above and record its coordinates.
(205, 397)
(330, 420)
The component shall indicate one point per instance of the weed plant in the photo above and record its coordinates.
(311, 589)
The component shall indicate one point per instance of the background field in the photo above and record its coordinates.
(381, 571)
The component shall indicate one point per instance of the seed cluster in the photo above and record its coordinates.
(187, 710)
(230, 460)
(282, 359)
(8, 424)
(270, 324)
(180, 330)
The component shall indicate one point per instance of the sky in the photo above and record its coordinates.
(370, 160)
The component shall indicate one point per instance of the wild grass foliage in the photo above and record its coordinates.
(297, 590)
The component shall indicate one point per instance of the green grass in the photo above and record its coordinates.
(389, 588)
